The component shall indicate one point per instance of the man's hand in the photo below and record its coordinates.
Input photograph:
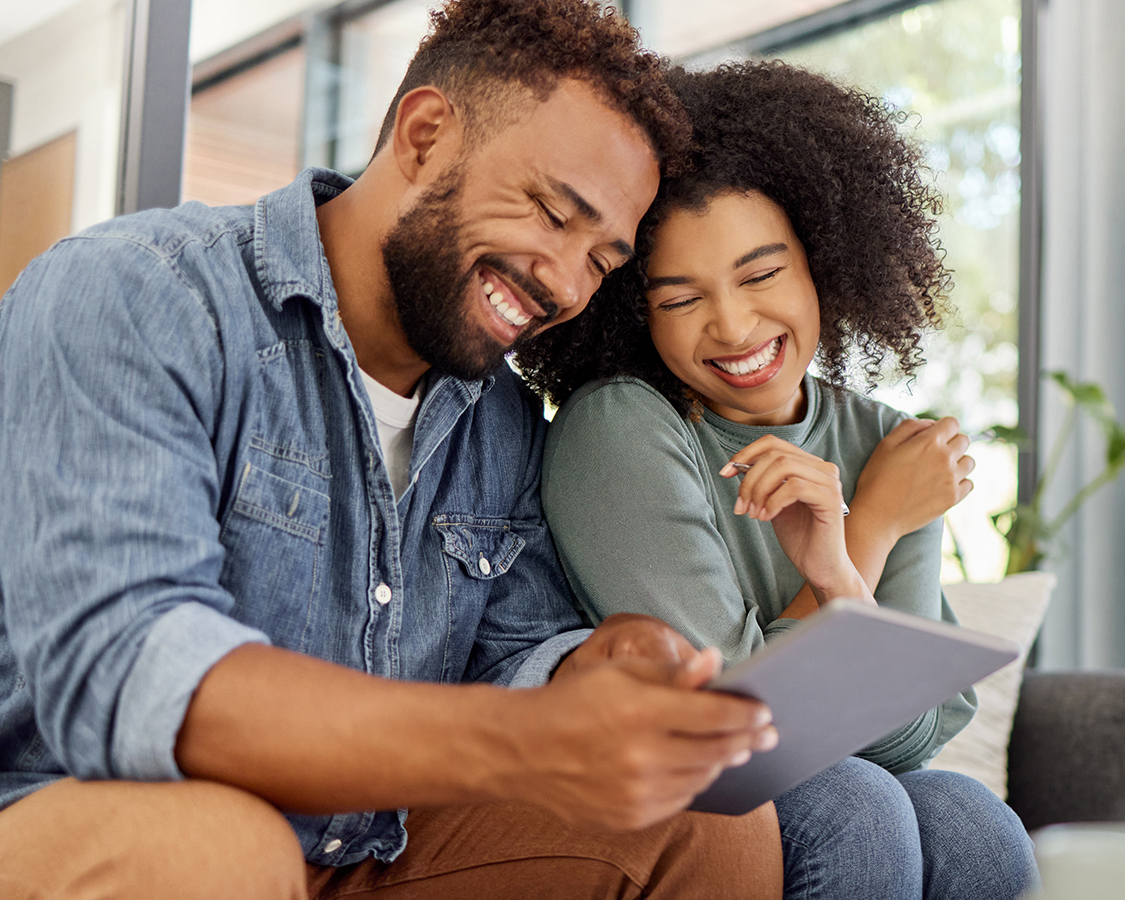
(630, 741)
(628, 635)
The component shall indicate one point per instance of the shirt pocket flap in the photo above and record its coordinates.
(276, 501)
(486, 547)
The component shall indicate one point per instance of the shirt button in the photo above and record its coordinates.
(484, 565)
(383, 594)
(333, 846)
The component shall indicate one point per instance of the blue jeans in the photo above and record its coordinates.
(856, 831)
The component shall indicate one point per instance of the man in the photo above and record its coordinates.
(272, 537)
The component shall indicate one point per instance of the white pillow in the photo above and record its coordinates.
(1012, 608)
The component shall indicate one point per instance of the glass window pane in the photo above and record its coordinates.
(244, 133)
(676, 28)
(957, 64)
(375, 50)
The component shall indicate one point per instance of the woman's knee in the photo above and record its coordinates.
(970, 838)
(850, 832)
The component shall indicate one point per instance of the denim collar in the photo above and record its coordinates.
(288, 254)
(290, 261)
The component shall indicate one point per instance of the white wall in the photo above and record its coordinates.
(217, 25)
(68, 75)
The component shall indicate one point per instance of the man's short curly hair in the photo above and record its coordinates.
(854, 187)
(477, 50)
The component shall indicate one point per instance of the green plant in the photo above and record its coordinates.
(1028, 529)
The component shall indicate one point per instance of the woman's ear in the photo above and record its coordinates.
(427, 134)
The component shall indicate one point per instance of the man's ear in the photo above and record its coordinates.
(427, 133)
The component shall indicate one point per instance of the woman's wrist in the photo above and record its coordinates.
(850, 585)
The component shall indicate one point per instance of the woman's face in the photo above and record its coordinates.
(732, 307)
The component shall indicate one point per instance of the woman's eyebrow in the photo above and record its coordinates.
(758, 253)
(652, 284)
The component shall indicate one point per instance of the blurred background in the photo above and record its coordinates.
(108, 106)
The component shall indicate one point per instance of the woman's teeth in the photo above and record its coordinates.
(751, 363)
(508, 313)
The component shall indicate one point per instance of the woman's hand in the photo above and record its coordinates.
(801, 496)
(917, 472)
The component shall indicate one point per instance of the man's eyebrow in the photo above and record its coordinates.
(588, 211)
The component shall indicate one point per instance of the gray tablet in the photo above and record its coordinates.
(850, 675)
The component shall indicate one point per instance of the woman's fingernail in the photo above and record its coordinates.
(740, 506)
(727, 470)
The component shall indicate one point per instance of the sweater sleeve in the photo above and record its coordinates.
(911, 583)
(632, 514)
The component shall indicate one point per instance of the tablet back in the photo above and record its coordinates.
(850, 675)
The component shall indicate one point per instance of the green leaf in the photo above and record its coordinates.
(1115, 447)
(1006, 434)
(1086, 394)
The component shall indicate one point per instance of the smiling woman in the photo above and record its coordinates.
(732, 307)
(803, 232)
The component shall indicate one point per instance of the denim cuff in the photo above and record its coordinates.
(180, 649)
(536, 669)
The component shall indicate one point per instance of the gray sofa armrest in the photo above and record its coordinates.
(1066, 757)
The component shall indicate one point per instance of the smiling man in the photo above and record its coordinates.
(272, 551)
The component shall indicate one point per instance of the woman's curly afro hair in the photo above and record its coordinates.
(854, 189)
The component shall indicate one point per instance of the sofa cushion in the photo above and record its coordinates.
(1067, 753)
(1012, 608)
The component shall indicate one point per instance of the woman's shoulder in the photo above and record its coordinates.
(851, 412)
(620, 402)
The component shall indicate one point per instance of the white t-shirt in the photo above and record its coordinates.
(394, 419)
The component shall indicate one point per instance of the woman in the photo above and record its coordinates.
(698, 471)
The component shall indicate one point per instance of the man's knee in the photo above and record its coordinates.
(178, 840)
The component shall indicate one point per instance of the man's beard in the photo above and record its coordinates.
(431, 288)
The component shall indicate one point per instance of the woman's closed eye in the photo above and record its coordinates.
(764, 276)
(677, 303)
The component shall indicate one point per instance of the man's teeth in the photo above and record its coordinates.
(508, 313)
(751, 363)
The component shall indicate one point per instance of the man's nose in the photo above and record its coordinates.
(568, 277)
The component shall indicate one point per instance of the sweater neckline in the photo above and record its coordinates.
(803, 434)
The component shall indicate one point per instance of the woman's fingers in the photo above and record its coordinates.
(778, 480)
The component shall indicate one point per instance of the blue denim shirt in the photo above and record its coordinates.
(190, 463)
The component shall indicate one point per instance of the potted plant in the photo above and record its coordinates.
(1030, 532)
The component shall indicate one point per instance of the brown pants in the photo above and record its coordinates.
(203, 841)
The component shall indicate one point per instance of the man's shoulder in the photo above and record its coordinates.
(165, 233)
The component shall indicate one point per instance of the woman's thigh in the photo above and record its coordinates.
(973, 844)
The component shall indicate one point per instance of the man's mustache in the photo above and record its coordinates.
(529, 284)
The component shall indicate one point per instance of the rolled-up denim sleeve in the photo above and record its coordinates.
(111, 382)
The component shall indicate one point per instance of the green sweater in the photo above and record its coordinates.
(644, 523)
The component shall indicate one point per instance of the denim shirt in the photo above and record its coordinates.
(190, 463)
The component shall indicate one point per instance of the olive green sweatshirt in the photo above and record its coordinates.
(644, 523)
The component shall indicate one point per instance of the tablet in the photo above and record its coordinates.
(849, 676)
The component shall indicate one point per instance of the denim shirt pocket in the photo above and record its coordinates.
(275, 534)
(477, 547)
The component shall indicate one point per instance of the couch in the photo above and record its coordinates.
(1051, 743)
